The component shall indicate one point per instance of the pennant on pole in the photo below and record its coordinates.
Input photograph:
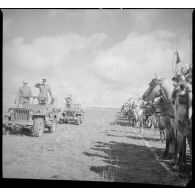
(177, 59)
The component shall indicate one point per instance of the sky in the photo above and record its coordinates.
(100, 56)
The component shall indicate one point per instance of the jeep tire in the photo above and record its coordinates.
(38, 127)
(52, 128)
(78, 120)
(4, 131)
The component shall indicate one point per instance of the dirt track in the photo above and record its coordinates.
(97, 150)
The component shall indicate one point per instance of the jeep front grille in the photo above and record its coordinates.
(21, 114)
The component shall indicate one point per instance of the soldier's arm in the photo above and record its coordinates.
(50, 93)
(17, 96)
(37, 85)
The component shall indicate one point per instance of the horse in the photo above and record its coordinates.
(160, 118)
(149, 118)
(183, 114)
(127, 112)
(138, 117)
(157, 118)
(163, 88)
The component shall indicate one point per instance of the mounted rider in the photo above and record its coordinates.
(23, 95)
(44, 90)
(182, 79)
(186, 71)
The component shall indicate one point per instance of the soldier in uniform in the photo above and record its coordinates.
(44, 90)
(181, 79)
(24, 94)
(186, 71)
(68, 101)
(177, 80)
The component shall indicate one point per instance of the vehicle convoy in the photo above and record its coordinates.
(33, 116)
(72, 114)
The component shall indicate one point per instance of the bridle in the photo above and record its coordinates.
(162, 94)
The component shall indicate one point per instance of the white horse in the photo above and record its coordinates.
(183, 115)
(163, 88)
(138, 116)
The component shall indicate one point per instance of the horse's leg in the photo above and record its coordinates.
(160, 135)
(181, 140)
(174, 138)
(175, 144)
(189, 138)
(168, 141)
(182, 150)
(141, 124)
(164, 133)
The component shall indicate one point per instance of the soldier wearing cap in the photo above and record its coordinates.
(44, 90)
(68, 101)
(24, 94)
(186, 71)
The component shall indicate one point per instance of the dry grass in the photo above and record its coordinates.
(98, 150)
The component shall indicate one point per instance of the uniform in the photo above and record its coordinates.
(186, 71)
(23, 95)
(43, 95)
(68, 101)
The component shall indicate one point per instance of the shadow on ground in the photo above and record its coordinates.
(132, 163)
(136, 137)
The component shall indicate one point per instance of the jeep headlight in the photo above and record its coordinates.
(11, 112)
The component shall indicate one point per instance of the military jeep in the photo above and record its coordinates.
(31, 116)
(72, 114)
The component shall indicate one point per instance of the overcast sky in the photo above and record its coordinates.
(101, 57)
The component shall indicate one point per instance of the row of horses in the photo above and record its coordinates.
(167, 107)
(144, 115)
(175, 105)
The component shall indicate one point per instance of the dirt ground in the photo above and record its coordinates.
(98, 150)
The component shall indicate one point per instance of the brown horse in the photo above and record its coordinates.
(163, 88)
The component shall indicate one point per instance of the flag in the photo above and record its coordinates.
(177, 59)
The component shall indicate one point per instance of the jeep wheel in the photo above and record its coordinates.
(52, 128)
(78, 120)
(38, 127)
(4, 131)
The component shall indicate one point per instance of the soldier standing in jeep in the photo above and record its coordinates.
(24, 94)
(44, 90)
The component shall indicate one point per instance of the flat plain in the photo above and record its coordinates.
(103, 148)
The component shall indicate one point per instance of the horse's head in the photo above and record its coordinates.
(154, 90)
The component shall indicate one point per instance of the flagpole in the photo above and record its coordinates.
(173, 66)
(190, 45)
